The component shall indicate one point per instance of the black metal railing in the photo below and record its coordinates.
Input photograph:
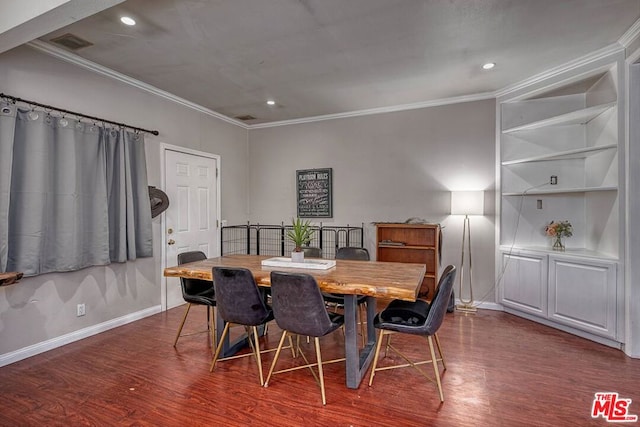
(259, 239)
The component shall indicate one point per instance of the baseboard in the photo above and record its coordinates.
(485, 305)
(568, 329)
(41, 347)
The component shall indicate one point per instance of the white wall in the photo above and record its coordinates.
(387, 167)
(632, 274)
(44, 307)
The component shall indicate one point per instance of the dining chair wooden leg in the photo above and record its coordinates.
(257, 353)
(184, 318)
(275, 358)
(363, 330)
(376, 356)
(435, 368)
(444, 365)
(249, 333)
(386, 348)
(320, 371)
(293, 350)
(219, 347)
(211, 324)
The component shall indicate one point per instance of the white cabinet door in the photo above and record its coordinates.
(524, 283)
(582, 294)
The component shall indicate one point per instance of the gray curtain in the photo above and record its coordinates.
(72, 194)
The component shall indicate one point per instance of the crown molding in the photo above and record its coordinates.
(601, 54)
(99, 69)
(615, 48)
(630, 35)
(380, 110)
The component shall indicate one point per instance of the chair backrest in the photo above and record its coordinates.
(238, 298)
(440, 301)
(298, 305)
(352, 253)
(193, 286)
(311, 252)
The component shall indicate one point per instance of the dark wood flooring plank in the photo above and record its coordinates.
(502, 371)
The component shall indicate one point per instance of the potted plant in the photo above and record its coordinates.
(300, 234)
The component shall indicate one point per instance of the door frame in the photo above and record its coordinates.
(164, 147)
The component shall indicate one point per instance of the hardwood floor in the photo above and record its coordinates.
(502, 371)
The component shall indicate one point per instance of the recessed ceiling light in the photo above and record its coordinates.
(489, 65)
(271, 102)
(127, 20)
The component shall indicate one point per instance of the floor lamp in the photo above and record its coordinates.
(466, 203)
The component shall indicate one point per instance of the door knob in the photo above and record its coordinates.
(171, 242)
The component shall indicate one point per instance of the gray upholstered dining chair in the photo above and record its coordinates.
(312, 252)
(299, 309)
(416, 318)
(353, 254)
(240, 302)
(200, 292)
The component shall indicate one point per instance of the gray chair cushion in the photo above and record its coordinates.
(419, 317)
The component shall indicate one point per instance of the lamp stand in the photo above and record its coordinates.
(466, 305)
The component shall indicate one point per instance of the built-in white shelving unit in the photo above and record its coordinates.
(579, 117)
(571, 130)
(562, 190)
(578, 153)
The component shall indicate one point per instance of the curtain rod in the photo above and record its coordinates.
(62, 110)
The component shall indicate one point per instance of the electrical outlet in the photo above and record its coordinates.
(539, 203)
(81, 311)
(554, 180)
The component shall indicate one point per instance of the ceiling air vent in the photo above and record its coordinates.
(245, 118)
(71, 41)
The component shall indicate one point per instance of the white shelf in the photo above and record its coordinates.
(578, 253)
(561, 191)
(579, 153)
(575, 117)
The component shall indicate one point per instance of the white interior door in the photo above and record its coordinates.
(191, 221)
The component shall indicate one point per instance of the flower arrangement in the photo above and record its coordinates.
(559, 229)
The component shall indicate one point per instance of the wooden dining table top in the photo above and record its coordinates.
(389, 280)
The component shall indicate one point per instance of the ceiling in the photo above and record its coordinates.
(327, 57)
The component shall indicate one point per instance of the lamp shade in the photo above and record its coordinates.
(467, 203)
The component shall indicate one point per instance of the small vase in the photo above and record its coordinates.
(297, 257)
(557, 244)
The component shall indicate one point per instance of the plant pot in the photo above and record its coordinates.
(297, 256)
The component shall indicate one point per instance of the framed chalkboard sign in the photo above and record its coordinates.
(314, 188)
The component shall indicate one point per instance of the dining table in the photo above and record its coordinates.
(372, 279)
